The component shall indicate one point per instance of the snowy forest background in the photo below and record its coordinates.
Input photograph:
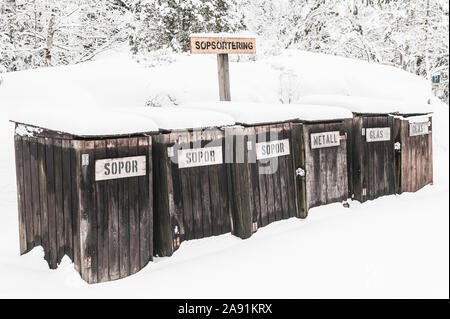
(408, 34)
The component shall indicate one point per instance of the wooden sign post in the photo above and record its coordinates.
(222, 46)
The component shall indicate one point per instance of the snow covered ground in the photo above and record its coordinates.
(395, 246)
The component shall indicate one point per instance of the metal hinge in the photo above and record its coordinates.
(300, 172)
(364, 191)
(87, 262)
(363, 132)
(84, 159)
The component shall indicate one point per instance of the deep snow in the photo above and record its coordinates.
(395, 246)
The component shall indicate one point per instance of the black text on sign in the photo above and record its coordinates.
(378, 134)
(418, 128)
(113, 168)
(272, 149)
(200, 157)
(325, 139)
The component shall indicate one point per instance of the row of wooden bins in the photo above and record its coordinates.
(113, 201)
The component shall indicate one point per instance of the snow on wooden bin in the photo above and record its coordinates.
(84, 189)
(413, 151)
(271, 151)
(371, 155)
(191, 196)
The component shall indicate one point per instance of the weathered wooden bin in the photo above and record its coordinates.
(191, 195)
(276, 171)
(413, 151)
(86, 195)
(371, 158)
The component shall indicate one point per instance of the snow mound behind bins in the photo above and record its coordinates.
(175, 118)
(262, 113)
(359, 104)
(84, 121)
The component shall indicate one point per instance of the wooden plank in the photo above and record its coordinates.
(124, 228)
(298, 162)
(34, 163)
(88, 216)
(101, 205)
(133, 193)
(275, 177)
(59, 205)
(225, 188)
(20, 194)
(222, 45)
(145, 209)
(27, 192)
(214, 189)
(176, 198)
(223, 69)
(51, 204)
(113, 216)
(163, 241)
(283, 176)
(75, 167)
(262, 183)
(390, 159)
(205, 199)
(67, 197)
(252, 172)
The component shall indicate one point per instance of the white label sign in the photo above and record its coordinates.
(418, 128)
(378, 134)
(325, 139)
(200, 156)
(113, 168)
(272, 149)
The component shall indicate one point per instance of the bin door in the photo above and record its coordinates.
(298, 149)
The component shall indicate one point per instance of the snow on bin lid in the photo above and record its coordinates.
(359, 104)
(175, 118)
(262, 113)
(84, 121)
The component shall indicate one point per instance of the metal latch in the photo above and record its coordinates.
(300, 172)
(84, 159)
(170, 152)
(254, 227)
(397, 146)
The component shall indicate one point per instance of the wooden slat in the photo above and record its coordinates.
(133, 192)
(59, 204)
(124, 227)
(51, 204)
(27, 192)
(145, 209)
(20, 194)
(298, 162)
(101, 205)
(35, 192)
(113, 216)
(67, 197)
(75, 166)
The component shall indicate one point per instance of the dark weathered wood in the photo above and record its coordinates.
(133, 193)
(205, 198)
(124, 227)
(88, 216)
(59, 206)
(20, 194)
(27, 192)
(101, 205)
(299, 182)
(75, 164)
(51, 204)
(145, 208)
(35, 191)
(113, 216)
(67, 197)
(224, 77)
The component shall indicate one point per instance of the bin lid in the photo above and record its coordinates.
(249, 113)
(175, 118)
(367, 105)
(84, 121)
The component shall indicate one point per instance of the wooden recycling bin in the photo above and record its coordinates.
(371, 156)
(87, 197)
(413, 152)
(191, 188)
(262, 176)
(277, 171)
